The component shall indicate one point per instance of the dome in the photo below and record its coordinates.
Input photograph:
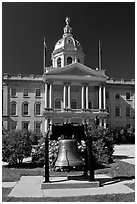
(68, 41)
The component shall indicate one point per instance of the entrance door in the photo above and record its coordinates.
(68, 131)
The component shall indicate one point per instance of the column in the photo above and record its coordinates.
(46, 125)
(63, 61)
(6, 105)
(69, 120)
(68, 95)
(83, 121)
(104, 97)
(104, 122)
(87, 121)
(46, 94)
(50, 96)
(100, 122)
(100, 101)
(86, 97)
(64, 96)
(82, 97)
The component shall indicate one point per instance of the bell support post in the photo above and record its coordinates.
(47, 157)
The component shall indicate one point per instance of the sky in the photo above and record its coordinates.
(24, 26)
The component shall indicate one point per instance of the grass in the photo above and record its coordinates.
(5, 192)
(114, 170)
(118, 170)
(14, 174)
(98, 198)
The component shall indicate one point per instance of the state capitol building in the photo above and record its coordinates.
(67, 92)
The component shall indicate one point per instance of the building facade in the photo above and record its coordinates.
(67, 92)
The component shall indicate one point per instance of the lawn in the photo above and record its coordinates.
(98, 198)
(116, 170)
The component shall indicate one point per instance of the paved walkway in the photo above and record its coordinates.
(30, 186)
(127, 151)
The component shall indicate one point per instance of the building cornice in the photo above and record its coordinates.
(120, 82)
(22, 77)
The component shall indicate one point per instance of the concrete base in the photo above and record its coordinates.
(70, 182)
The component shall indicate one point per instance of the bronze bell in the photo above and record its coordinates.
(68, 154)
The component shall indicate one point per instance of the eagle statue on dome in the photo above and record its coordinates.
(67, 19)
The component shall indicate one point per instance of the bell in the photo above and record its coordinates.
(68, 154)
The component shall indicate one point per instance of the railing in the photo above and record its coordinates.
(75, 110)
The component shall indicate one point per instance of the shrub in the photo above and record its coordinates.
(38, 152)
(124, 136)
(16, 145)
(102, 146)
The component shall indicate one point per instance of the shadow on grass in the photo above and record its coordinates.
(113, 180)
(122, 157)
(32, 165)
(29, 165)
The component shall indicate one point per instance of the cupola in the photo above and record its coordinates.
(67, 50)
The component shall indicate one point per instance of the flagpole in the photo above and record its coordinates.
(99, 56)
(44, 54)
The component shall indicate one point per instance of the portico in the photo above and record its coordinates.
(82, 88)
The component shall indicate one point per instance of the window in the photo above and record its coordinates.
(37, 126)
(127, 110)
(128, 126)
(74, 103)
(78, 60)
(69, 60)
(25, 92)
(25, 125)
(117, 96)
(107, 94)
(127, 95)
(25, 108)
(13, 108)
(59, 62)
(117, 111)
(38, 93)
(90, 104)
(57, 103)
(13, 92)
(37, 108)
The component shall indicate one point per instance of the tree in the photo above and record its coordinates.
(17, 145)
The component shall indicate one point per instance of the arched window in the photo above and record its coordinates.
(59, 62)
(117, 111)
(13, 108)
(25, 108)
(78, 60)
(37, 109)
(69, 60)
(74, 103)
(57, 103)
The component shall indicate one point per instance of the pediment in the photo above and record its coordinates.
(76, 69)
